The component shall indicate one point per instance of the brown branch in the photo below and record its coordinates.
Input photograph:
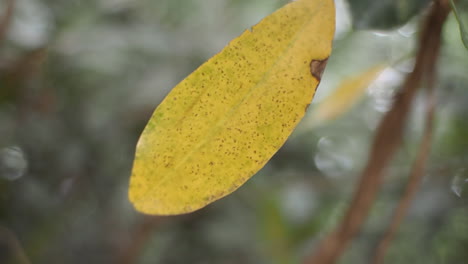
(419, 165)
(131, 252)
(18, 74)
(388, 137)
(13, 245)
(6, 19)
(414, 180)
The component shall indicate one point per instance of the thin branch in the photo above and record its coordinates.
(419, 165)
(414, 180)
(386, 142)
(142, 234)
(9, 238)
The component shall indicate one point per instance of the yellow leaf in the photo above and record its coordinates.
(345, 96)
(222, 123)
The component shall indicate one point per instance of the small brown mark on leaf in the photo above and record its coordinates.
(317, 67)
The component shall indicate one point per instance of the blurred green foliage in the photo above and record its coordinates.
(79, 79)
(460, 9)
(384, 14)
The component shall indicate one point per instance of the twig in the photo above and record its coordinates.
(414, 180)
(142, 233)
(6, 18)
(417, 171)
(388, 138)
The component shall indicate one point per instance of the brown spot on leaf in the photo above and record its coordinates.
(317, 67)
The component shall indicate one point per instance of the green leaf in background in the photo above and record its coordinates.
(384, 14)
(460, 8)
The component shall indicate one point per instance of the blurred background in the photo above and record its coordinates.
(79, 79)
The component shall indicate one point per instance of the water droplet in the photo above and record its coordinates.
(372, 118)
(383, 89)
(13, 163)
(298, 202)
(407, 30)
(334, 156)
(459, 182)
(405, 66)
(31, 26)
(381, 34)
(343, 19)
